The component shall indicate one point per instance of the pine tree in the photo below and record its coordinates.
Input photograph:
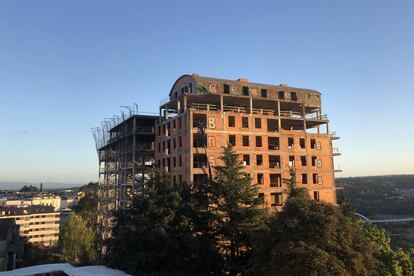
(163, 233)
(238, 212)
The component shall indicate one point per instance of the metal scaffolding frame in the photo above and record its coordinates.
(125, 148)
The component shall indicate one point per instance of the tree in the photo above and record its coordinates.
(312, 238)
(238, 214)
(29, 189)
(76, 241)
(163, 233)
(392, 262)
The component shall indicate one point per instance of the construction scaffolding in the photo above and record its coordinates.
(125, 148)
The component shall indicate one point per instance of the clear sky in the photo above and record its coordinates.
(66, 65)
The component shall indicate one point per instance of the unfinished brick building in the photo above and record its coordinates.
(275, 128)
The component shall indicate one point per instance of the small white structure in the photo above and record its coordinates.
(49, 269)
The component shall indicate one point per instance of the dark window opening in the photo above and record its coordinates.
(232, 121)
(315, 178)
(291, 161)
(226, 89)
(275, 180)
(261, 197)
(313, 143)
(274, 161)
(316, 195)
(245, 141)
(291, 143)
(245, 122)
(302, 143)
(232, 140)
(281, 95)
(273, 143)
(304, 178)
(257, 122)
(199, 119)
(303, 160)
(272, 125)
(293, 96)
(246, 159)
(314, 160)
(276, 199)
(258, 141)
(245, 91)
(263, 93)
(260, 179)
(199, 161)
(200, 178)
(259, 160)
(198, 140)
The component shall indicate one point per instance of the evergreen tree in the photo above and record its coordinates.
(76, 241)
(163, 233)
(238, 214)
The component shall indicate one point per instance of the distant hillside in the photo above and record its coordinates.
(17, 185)
(380, 195)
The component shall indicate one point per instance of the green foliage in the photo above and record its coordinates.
(37, 254)
(164, 233)
(392, 262)
(312, 238)
(29, 189)
(76, 241)
(238, 214)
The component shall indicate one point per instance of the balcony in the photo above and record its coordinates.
(335, 152)
(334, 136)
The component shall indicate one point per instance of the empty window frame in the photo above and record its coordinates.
(273, 143)
(272, 125)
(232, 140)
(199, 160)
(274, 161)
(275, 180)
(291, 161)
(304, 178)
(263, 93)
(259, 141)
(245, 91)
(259, 160)
(291, 143)
(315, 178)
(257, 122)
(316, 195)
(314, 161)
(303, 161)
(260, 179)
(226, 89)
(281, 95)
(293, 96)
(245, 141)
(276, 199)
(246, 159)
(313, 143)
(302, 143)
(232, 121)
(199, 119)
(245, 122)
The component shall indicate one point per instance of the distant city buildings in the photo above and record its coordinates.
(38, 223)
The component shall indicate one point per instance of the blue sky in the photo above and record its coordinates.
(66, 65)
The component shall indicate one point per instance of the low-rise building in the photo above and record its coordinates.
(39, 223)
